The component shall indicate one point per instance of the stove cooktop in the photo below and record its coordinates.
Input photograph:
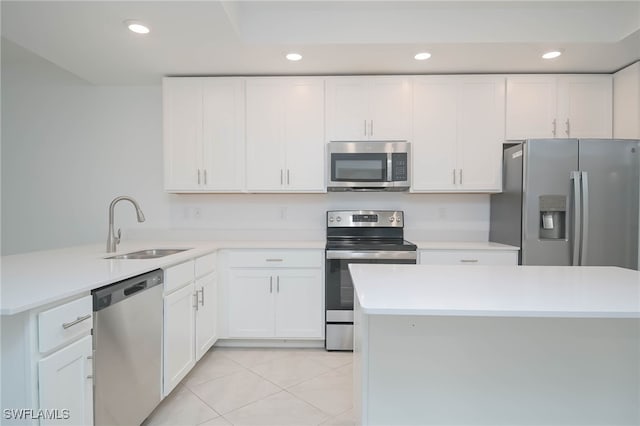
(371, 244)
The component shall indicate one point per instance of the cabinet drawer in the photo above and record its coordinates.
(205, 264)
(468, 257)
(275, 258)
(178, 275)
(62, 324)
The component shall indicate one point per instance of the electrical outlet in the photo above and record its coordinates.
(197, 213)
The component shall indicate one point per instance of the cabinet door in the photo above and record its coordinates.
(304, 135)
(223, 134)
(585, 106)
(480, 133)
(179, 336)
(434, 134)
(468, 257)
(206, 314)
(299, 303)
(64, 382)
(531, 107)
(389, 100)
(347, 109)
(265, 157)
(182, 132)
(251, 303)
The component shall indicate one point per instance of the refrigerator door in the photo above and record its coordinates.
(548, 201)
(611, 202)
(506, 207)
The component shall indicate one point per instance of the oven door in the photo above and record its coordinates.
(338, 285)
(339, 292)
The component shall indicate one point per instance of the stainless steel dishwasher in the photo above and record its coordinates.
(127, 342)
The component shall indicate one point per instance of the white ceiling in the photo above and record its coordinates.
(89, 39)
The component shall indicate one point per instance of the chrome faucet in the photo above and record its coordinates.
(112, 239)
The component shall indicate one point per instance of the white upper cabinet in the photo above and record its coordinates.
(531, 107)
(182, 122)
(285, 134)
(368, 108)
(585, 106)
(203, 134)
(481, 104)
(223, 134)
(458, 130)
(626, 102)
(566, 106)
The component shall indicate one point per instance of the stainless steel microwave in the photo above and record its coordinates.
(369, 166)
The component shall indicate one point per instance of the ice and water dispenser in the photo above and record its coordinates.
(553, 212)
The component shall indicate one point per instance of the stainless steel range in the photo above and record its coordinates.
(357, 236)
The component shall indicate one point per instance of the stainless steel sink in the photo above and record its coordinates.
(147, 254)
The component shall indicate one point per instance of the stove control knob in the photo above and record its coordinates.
(331, 219)
(391, 219)
(338, 219)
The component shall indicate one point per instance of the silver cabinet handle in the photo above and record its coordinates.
(205, 176)
(365, 127)
(196, 300)
(76, 321)
(90, 377)
(288, 173)
(270, 284)
(274, 260)
(460, 176)
(278, 284)
(201, 291)
(454, 176)
(469, 260)
(554, 123)
(281, 178)
(198, 176)
(568, 129)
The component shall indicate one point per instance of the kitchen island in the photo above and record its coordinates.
(491, 345)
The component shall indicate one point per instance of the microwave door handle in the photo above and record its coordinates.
(389, 168)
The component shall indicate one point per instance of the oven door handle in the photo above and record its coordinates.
(376, 255)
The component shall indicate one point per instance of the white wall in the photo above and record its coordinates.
(69, 147)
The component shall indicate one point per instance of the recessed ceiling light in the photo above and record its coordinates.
(294, 56)
(137, 27)
(422, 56)
(552, 54)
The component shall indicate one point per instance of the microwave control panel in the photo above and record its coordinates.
(399, 170)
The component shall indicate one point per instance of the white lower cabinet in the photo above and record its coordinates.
(65, 385)
(468, 257)
(297, 312)
(47, 364)
(179, 335)
(284, 300)
(206, 313)
(251, 303)
(190, 317)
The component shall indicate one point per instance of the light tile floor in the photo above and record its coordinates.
(279, 387)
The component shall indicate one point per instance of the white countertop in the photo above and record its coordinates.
(498, 291)
(464, 245)
(35, 279)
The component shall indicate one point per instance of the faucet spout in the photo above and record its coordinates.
(112, 239)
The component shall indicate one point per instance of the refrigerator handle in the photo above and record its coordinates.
(585, 218)
(577, 216)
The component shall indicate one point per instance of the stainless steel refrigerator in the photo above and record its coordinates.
(570, 202)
